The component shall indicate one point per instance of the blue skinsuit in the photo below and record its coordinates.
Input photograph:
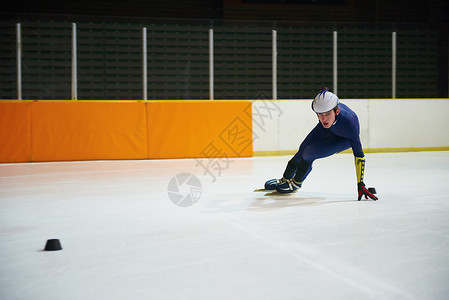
(322, 142)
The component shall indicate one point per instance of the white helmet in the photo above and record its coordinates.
(325, 101)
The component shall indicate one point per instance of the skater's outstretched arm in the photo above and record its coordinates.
(360, 170)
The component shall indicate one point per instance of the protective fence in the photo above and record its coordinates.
(133, 59)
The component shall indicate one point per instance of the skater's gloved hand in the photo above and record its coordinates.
(363, 191)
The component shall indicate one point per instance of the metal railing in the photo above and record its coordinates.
(294, 51)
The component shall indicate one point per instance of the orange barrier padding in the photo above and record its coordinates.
(75, 130)
(199, 129)
(14, 132)
(92, 130)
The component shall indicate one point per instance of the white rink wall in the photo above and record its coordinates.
(281, 125)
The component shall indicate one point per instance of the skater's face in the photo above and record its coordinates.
(327, 119)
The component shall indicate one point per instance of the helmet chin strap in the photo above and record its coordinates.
(336, 114)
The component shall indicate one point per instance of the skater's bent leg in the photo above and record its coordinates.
(324, 148)
(303, 170)
(291, 168)
(315, 151)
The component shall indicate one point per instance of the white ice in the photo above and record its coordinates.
(123, 238)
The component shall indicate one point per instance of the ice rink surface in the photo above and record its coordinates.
(124, 238)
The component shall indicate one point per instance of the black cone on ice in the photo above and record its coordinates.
(53, 245)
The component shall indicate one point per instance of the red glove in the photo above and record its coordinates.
(363, 191)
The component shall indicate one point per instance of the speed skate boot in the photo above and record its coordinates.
(288, 186)
(271, 184)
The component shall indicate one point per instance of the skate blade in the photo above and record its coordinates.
(262, 190)
(276, 193)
